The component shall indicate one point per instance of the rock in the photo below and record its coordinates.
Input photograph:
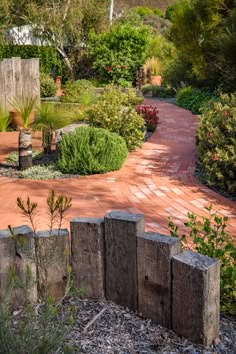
(67, 129)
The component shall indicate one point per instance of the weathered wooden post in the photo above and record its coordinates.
(53, 262)
(17, 260)
(121, 232)
(196, 297)
(25, 149)
(87, 253)
(154, 254)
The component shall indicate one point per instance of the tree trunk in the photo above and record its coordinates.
(25, 149)
(47, 140)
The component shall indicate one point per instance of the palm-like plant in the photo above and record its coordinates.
(24, 107)
(48, 119)
(4, 119)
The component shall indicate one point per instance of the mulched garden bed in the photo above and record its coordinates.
(120, 331)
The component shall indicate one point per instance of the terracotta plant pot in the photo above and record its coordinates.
(16, 119)
(156, 80)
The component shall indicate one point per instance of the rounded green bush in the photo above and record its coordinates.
(80, 91)
(192, 98)
(216, 141)
(48, 87)
(90, 150)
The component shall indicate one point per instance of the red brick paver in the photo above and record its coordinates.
(157, 180)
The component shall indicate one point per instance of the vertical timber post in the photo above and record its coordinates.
(25, 149)
(87, 253)
(154, 276)
(121, 232)
(196, 297)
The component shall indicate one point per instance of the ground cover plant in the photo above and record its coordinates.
(91, 150)
(209, 237)
(216, 142)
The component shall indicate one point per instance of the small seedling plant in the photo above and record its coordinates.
(209, 237)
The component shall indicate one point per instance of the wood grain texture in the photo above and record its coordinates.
(196, 297)
(121, 232)
(87, 244)
(154, 276)
(54, 248)
(19, 260)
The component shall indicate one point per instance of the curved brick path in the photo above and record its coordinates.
(157, 180)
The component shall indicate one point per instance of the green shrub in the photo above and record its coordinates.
(210, 238)
(114, 112)
(216, 142)
(48, 87)
(91, 150)
(162, 92)
(119, 52)
(49, 59)
(192, 98)
(4, 119)
(80, 91)
(144, 11)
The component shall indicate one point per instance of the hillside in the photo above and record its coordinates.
(122, 4)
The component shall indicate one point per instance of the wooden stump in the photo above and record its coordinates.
(121, 231)
(87, 244)
(196, 297)
(25, 149)
(154, 276)
(17, 261)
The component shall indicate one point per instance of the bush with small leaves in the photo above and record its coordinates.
(216, 142)
(114, 111)
(210, 238)
(150, 115)
(90, 150)
(192, 98)
(80, 91)
(43, 172)
(48, 87)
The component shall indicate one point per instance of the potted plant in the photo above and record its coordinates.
(153, 66)
(22, 114)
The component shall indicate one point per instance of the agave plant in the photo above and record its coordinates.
(48, 119)
(24, 109)
(4, 119)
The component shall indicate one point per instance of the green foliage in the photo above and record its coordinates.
(118, 53)
(192, 98)
(216, 142)
(175, 8)
(4, 119)
(36, 332)
(41, 172)
(204, 34)
(14, 156)
(143, 11)
(50, 62)
(24, 105)
(114, 112)
(210, 238)
(48, 87)
(162, 92)
(91, 150)
(80, 91)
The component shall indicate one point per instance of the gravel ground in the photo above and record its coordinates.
(120, 331)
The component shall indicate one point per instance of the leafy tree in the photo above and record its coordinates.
(119, 52)
(63, 24)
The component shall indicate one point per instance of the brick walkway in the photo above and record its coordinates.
(157, 180)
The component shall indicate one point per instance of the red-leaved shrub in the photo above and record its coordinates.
(149, 114)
